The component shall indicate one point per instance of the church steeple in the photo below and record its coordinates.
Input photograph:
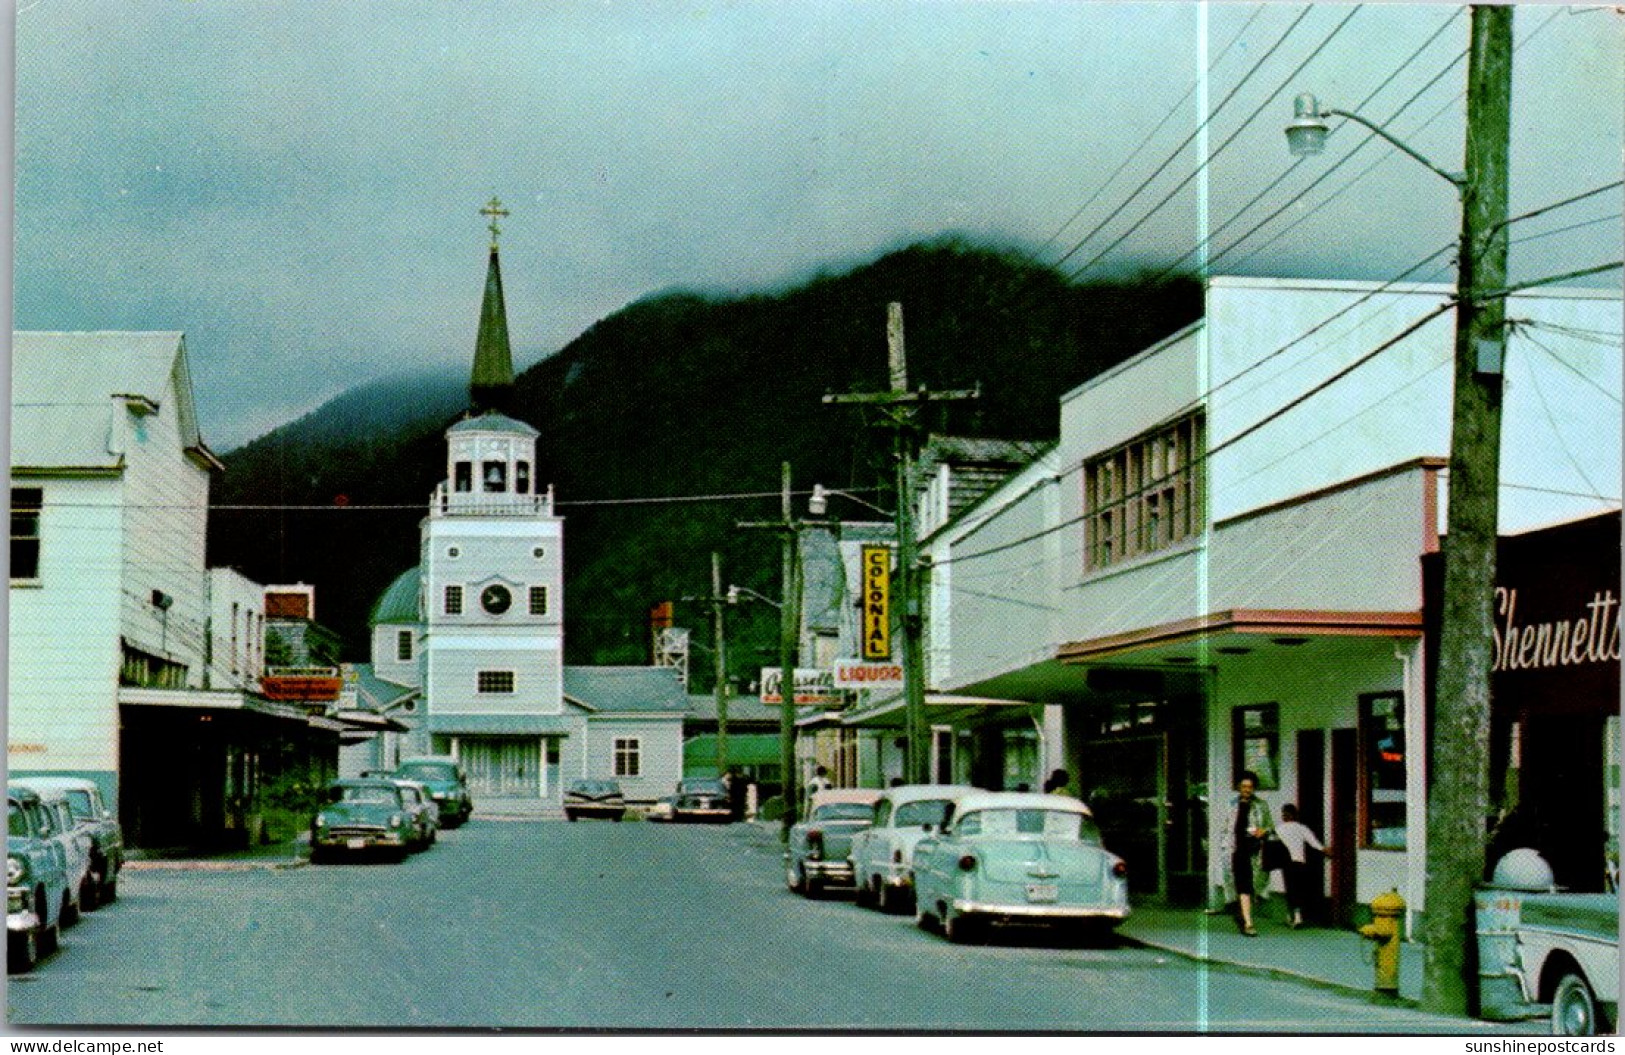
(490, 386)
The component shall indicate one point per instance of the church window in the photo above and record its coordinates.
(403, 645)
(521, 477)
(538, 600)
(26, 504)
(454, 600)
(628, 757)
(495, 475)
(494, 681)
(463, 476)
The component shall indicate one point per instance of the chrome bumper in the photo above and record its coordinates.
(841, 871)
(1039, 911)
(20, 914)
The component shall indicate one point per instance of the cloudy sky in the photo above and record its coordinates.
(297, 185)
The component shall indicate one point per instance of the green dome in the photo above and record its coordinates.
(399, 603)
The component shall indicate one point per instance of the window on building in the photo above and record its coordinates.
(1255, 744)
(521, 477)
(495, 475)
(454, 600)
(26, 504)
(463, 476)
(403, 645)
(1382, 771)
(538, 600)
(628, 757)
(494, 681)
(1146, 495)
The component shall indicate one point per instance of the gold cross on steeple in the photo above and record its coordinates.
(494, 209)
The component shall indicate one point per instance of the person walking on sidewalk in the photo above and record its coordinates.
(1244, 833)
(1297, 838)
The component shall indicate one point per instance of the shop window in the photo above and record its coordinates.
(454, 600)
(1144, 496)
(26, 504)
(494, 681)
(1382, 771)
(463, 476)
(628, 757)
(495, 475)
(1255, 744)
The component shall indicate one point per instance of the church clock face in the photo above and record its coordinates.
(495, 599)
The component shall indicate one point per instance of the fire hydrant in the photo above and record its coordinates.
(1386, 912)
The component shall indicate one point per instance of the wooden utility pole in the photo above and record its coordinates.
(719, 645)
(902, 407)
(1458, 796)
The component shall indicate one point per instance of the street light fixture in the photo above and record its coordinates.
(736, 593)
(818, 504)
(1306, 135)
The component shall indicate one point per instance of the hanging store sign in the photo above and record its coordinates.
(854, 674)
(813, 686)
(876, 578)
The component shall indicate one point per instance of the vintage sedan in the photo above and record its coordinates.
(94, 819)
(447, 785)
(883, 854)
(821, 843)
(425, 814)
(72, 843)
(37, 894)
(1014, 858)
(361, 814)
(702, 799)
(594, 798)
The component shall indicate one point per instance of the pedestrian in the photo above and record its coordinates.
(736, 793)
(1244, 832)
(1297, 838)
(820, 782)
(1056, 783)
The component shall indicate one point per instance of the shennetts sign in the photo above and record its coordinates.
(812, 686)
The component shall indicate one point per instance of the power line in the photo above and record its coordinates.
(1523, 332)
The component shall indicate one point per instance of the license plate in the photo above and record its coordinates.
(1042, 892)
(357, 844)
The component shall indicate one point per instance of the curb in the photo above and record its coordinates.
(1370, 996)
(214, 866)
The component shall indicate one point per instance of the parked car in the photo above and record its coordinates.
(73, 843)
(594, 798)
(701, 799)
(1017, 857)
(424, 813)
(660, 809)
(883, 854)
(361, 814)
(37, 894)
(447, 784)
(821, 844)
(92, 817)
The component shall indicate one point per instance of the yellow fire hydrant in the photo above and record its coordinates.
(1387, 910)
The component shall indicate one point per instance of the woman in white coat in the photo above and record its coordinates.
(1244, 832)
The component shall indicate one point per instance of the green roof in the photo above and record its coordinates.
(399, 603)
(493, 421)
(491, 383)
(745, 749)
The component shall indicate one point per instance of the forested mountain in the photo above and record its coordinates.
(674, 398)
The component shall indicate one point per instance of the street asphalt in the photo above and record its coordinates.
(634, 926)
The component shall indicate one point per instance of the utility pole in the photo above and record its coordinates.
(789, 643)
(718, 641)
(902, 408)
(1458, 799)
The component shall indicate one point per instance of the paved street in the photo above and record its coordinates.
(547, 924)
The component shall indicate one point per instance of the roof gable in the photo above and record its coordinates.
(640, 690)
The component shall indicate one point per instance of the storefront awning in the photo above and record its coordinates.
(1184, 640)
(745, 749)
(212, 700)
(939, 707)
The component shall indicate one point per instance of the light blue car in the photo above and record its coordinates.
(1021, 858)
(883, 854)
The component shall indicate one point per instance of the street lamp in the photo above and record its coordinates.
(736, 593)
(818, 504)
(1458, 792)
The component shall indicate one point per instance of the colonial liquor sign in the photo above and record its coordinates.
(876, 573)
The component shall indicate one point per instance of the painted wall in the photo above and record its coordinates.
(385, 661)
(236, 629)
(591, 754)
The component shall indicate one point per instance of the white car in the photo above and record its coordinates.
(883, 854)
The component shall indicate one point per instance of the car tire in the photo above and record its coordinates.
(795, 879)
(889, 899)
(49, 939)
(923, 919)
(319, 856)
(812, 888)
(22, 952)
(69, 916)
(569, 816)
(863, 894)
(960, 928)
(1574, 1008)
(110, 892)
(88, 891)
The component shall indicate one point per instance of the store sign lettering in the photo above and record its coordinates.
(876, 602)
(1592, 637)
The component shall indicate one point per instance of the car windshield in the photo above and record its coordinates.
(368, 793)
(920, 813)
(17, 822)
(83, 808)
(594, 787)
(429, 771)
(701, 787)
(1062, 824)
(844, 811)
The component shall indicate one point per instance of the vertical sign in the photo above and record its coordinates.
(876, 602)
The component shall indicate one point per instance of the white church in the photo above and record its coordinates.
(468, 647)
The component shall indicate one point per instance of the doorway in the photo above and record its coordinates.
(502, 768)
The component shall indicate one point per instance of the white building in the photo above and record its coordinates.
(1218, 567)
(130, 664)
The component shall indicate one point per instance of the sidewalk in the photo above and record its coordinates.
(291, 854)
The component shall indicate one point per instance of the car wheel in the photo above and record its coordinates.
(22, 952)
(571, 817)
(923, 919)
(889, 898)
(110, 892)
(960, 928)
(50, 939)
(813, 888)
(70, 910)
(795, 879)
(319, 855)
(863, 894)
(88, 891)
(1574, 1008)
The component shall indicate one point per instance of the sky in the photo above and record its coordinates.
(297, 186)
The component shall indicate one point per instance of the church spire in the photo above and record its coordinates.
(490, 387)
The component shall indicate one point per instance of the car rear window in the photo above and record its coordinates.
(429, 771)
(844, 811)
(83, 808)
(365, 793)
(1062, 824)
(16, 821)
(921, 812)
